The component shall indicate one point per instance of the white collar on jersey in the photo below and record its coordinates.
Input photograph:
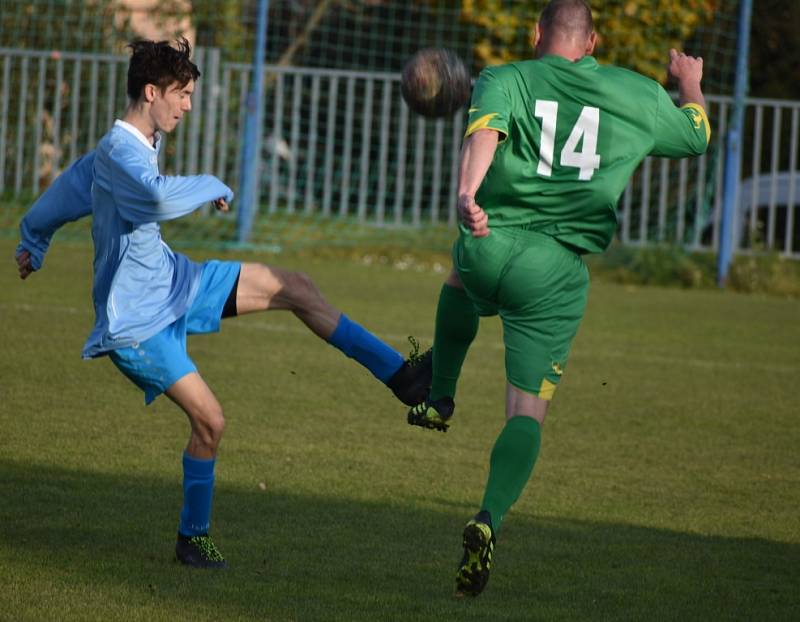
(141, 137)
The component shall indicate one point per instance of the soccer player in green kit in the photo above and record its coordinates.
(550, 146)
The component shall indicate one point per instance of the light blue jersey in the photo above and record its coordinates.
(140, 285)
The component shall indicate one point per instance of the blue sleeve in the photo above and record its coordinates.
(142, 196)
(67, 199)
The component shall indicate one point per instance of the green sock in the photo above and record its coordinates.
(456, 327)
(514, 454)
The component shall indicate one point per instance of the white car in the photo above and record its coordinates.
(775, 198)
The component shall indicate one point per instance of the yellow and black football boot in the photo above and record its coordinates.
(432, 414)
(473, 571)
(411, 383)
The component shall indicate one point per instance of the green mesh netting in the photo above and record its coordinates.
(374, 35)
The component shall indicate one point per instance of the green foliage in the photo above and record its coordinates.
(775, 48)
(673, 266)
(664, 266)
(224, 24)
(771, 274)
(638, 33)
(382, 34)
(70, 25)
(633, 33)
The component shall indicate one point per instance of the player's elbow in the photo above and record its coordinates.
(699, 147)
(161, 202)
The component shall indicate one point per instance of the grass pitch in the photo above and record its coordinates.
(667, 488)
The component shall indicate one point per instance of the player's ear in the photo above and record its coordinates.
(149, 92)
(591, 43)
(536, 35)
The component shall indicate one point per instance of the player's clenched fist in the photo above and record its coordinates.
(473, 216)
(24, 264)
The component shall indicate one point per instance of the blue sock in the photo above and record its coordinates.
(198, 487)
(380, 359)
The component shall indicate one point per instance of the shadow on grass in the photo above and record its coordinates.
(320, 558)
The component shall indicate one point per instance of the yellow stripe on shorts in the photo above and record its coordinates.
(547, 389)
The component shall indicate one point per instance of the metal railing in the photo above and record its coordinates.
(342, 143)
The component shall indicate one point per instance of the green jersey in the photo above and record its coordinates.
(572, 135)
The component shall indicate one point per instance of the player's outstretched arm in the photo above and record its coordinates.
(67, 199)
(679, 132)
(476, 158)
(688, 73)
(144, 197)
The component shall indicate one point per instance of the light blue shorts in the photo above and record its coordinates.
(156, 364)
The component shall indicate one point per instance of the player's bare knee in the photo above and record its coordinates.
(209, 427)
(217, 426)
(265, 278)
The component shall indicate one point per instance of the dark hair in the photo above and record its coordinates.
(159, 63)
(568, 17)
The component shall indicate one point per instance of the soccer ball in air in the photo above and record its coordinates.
(435, 83)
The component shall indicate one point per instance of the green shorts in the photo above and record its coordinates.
(538, 287)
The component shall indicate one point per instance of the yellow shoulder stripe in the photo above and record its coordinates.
(699, 117)
(480, 124)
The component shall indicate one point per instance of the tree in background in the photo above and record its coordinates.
(88, 26)
(381, 34)
(225, 24)
(775, 49)
(633, 33)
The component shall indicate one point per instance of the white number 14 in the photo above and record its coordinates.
(586, 128)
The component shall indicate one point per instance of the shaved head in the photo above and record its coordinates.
(565, 28)
(567, 18)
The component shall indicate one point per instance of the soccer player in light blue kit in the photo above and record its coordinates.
(148, 298)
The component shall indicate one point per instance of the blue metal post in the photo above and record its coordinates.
(733, 154)
(251, 143)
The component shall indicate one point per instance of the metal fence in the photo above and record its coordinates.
(342, 143)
